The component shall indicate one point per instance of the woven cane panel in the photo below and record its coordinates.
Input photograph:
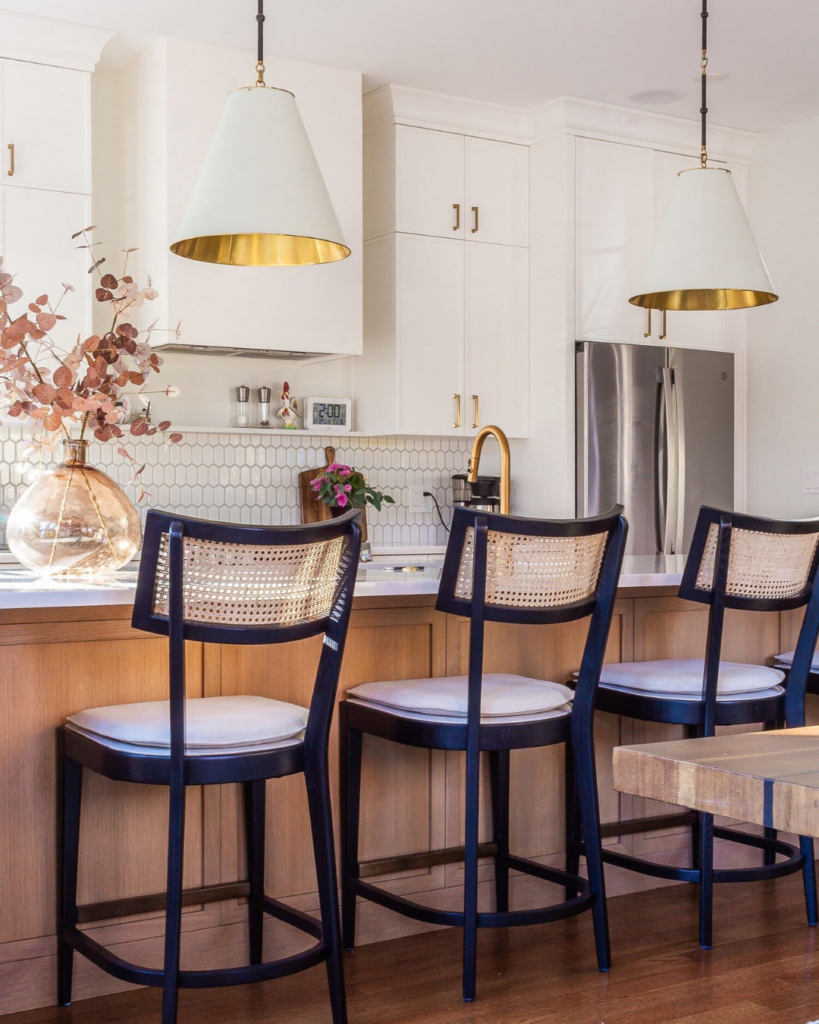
(534, 572)
(246, 585)
(763, 565)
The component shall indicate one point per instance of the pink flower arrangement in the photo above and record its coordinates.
(340, 486)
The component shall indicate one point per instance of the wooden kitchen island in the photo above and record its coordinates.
(61, 654)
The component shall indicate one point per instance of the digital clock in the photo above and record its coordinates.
(331, 415)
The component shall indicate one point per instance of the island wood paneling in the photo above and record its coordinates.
(54, 662)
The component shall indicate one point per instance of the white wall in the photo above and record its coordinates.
(783, 339)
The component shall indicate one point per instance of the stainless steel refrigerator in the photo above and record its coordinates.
(654, 432)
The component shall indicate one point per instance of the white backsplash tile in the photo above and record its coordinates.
(253, 478)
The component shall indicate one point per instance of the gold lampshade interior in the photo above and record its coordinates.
(261, 250)
(703, 299)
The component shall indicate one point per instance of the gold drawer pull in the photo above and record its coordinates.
(457, 208)
(475, 411)
(475, 215)
(11, 161)
(457, 422)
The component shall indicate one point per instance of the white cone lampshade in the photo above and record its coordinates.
(705, 256)
(260, 200)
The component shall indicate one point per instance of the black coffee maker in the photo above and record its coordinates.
(484, 494)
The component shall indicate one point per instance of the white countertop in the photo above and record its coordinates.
(20, 588)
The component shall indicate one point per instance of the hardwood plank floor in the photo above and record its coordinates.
(764, 969)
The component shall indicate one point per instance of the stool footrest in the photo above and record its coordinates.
(654, 823)
(153, 976)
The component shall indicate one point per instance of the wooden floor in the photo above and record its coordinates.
(763, 970)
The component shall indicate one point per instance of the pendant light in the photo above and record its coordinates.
(260, 200)
(705, 255)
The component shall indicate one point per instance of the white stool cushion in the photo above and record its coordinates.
(213, 725)
(502, 696)
(786, 660)
(722, 698)
(683, 678)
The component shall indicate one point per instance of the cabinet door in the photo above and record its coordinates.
(614, 238)
(697, 329)
(46, 118)
(497, 338)
(429, 321)
(429, 182)
(36, 244)
(497, 192)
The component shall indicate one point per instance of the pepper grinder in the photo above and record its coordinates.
(242, 404)
(264, 407)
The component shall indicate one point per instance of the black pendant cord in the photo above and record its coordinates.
(260, 44)
(704, 76)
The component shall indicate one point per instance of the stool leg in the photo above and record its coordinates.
(321, 823)
(570, 818)
(173, 908)
(706, 880)
(254, 794)
(350, 788)
(471, 875)
(809, 879)
(71, 793)
(590, 820)
(499, 773)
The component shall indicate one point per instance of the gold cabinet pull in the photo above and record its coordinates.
(457, 422)
(11, 160)
(475, 219)
(647, 331)
(457, 208)
(663, 328)
(474, 410)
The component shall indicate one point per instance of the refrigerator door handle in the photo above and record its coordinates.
(679, 413)
(672, 495)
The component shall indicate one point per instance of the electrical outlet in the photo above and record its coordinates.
(810, 481)
(419, 503)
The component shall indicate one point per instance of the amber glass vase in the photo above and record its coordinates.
(74, 521)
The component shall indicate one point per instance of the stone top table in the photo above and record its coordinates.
(767, 778)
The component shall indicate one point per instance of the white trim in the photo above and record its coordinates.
(46, 41)
(397, 104)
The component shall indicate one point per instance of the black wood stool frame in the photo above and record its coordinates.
(575, 730)
(179, 771)
(700, 718)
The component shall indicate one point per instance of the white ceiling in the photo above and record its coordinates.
(518, 52)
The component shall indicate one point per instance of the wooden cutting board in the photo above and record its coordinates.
(313, 510)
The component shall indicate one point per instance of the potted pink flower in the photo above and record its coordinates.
(343, 488)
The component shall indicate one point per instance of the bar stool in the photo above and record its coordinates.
(497, 568)
(750, 564)
(214, 583)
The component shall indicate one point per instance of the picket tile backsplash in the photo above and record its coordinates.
(253, 477)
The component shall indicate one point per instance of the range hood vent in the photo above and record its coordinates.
(249, 353)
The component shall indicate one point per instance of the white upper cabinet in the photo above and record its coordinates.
(36, 244)
(497, 338)
(613, 238)
(427, 182)
(497, 192)
(45, 127)
(622, 193)
(446, 337)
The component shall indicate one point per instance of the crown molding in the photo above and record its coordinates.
(45, 41)
(398, 104)
(567, 115)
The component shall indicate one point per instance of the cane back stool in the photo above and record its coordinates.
(754, 565)
(497, 568)
(220, 584)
